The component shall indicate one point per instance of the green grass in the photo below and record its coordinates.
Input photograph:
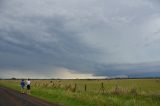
(145, 92)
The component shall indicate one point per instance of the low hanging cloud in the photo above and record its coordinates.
(91, 37)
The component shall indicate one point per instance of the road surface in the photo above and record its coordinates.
(10, 97)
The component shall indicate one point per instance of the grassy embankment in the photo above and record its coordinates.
(128, 92)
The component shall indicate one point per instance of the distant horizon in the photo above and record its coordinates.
(156, 77)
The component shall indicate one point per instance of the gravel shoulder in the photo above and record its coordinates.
(10, 97)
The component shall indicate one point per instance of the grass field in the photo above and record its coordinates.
(120, 92)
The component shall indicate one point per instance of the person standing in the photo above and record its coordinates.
(22, 85)
(28, 82)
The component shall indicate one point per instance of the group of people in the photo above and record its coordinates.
(27, 84)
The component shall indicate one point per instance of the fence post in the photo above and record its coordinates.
(85, 87)
(75, 87)
(102, 88)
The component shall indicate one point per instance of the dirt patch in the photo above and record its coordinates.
(10, 97)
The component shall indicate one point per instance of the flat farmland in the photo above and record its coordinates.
(118, 92)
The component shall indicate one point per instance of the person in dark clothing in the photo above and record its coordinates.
(22, 85)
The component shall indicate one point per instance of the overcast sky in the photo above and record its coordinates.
(79, 38)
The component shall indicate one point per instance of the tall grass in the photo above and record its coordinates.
(130, 92)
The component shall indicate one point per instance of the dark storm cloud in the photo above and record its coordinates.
(128, 69)
(21, 51)
(96, 37)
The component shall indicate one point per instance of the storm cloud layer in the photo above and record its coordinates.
(45, 38)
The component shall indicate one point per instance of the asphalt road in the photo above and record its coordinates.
(10, 97)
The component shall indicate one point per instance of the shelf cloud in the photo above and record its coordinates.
(89, 38)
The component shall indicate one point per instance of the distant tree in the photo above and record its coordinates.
(13, 78)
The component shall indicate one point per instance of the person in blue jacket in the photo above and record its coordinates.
(22, 85)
